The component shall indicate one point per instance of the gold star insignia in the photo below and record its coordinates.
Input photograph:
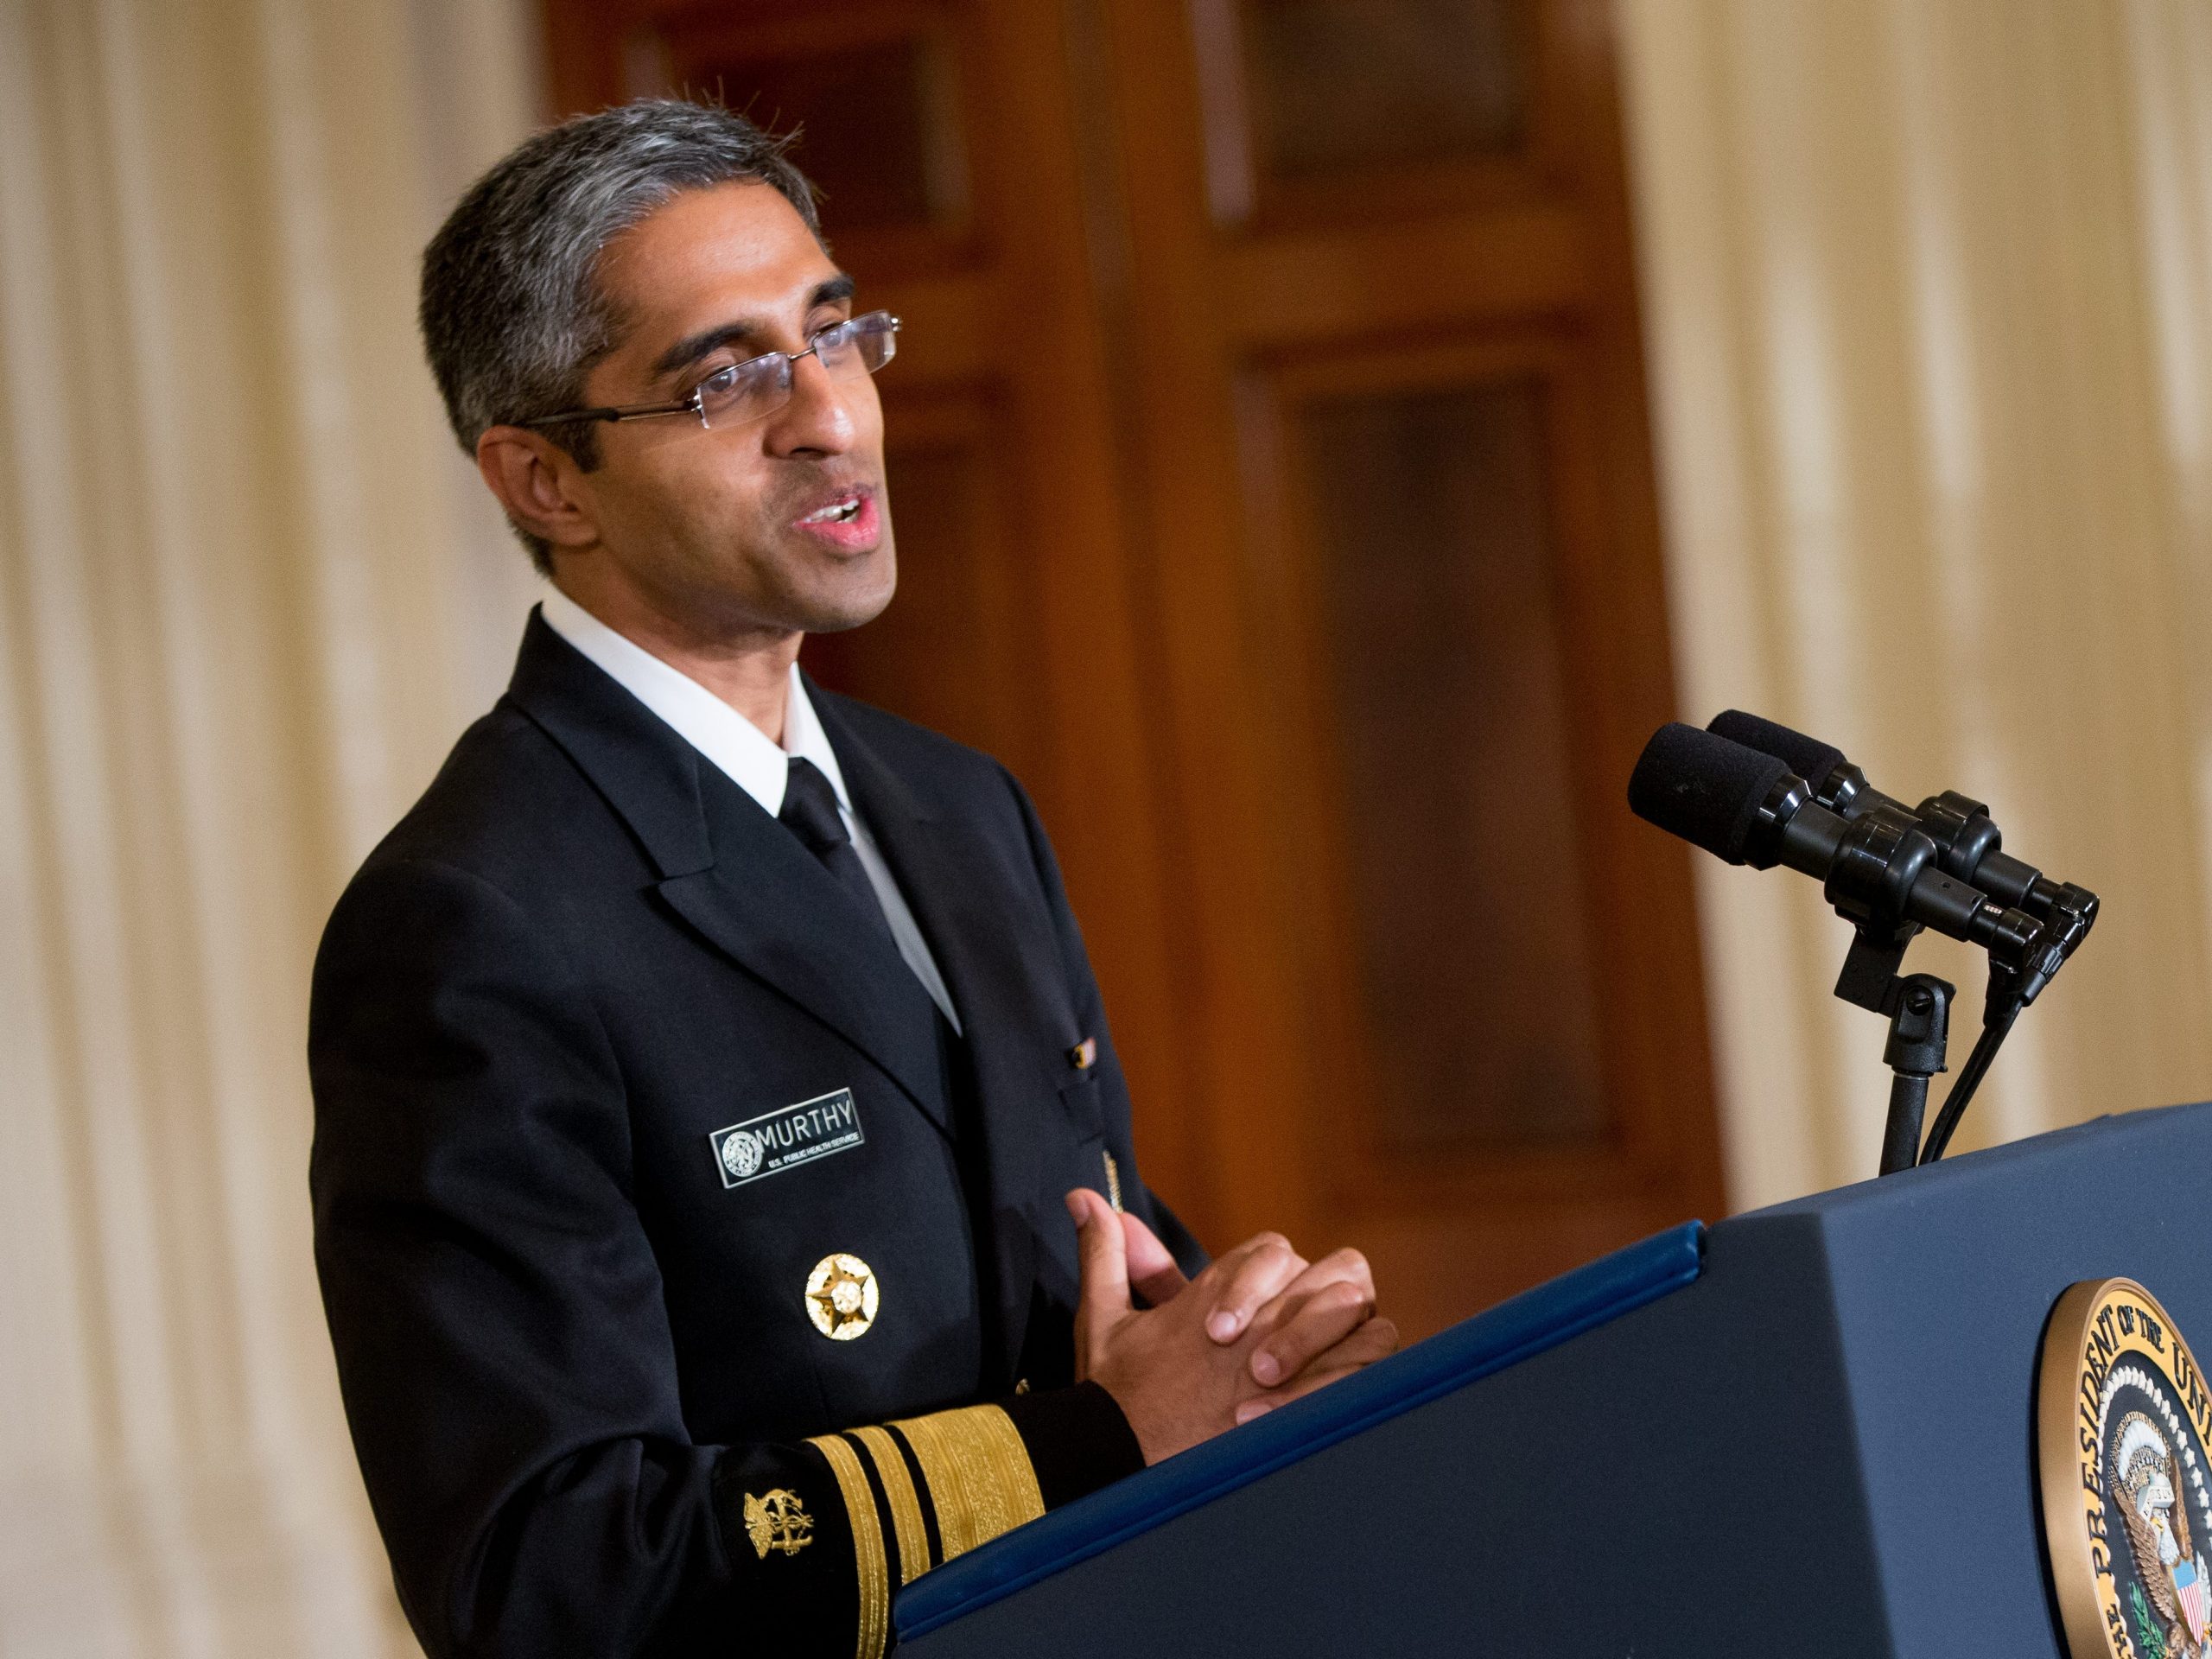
(841, 1297)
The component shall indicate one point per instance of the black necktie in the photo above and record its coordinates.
(811, 813)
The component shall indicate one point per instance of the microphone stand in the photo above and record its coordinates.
(1919, 1031)
(1918, 1007)
(1919, 1010)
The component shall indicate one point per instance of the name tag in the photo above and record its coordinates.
(778, 1140)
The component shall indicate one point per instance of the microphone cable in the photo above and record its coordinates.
(1997, 1022)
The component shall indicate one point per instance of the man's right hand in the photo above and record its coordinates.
(1257, 1326)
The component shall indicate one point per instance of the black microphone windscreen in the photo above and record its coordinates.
(1808, 757)
(1702, 788)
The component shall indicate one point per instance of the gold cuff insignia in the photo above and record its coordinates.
(872, 1569)
(778, 1521)
(978, 1472)
(907, 1526)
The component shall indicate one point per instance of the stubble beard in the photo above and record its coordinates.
(806, 590)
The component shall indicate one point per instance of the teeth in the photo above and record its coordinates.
(838, 513)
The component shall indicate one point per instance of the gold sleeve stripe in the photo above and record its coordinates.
(873, 1571)
(978, 1471)
(906, 1507)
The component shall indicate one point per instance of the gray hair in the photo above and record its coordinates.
(513, 314)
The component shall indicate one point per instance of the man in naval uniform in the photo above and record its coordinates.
(723, 1190)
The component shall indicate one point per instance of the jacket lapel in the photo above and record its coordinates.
(732, 872)
(769, 904)
(1002, 978)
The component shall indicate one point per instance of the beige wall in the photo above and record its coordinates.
(247, 598)
(1929, 294)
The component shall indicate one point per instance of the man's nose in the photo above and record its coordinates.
(816, 420)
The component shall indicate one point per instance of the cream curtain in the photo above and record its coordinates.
(1928, 290)
(247, 599)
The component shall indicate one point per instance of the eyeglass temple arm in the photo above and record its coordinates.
(618, 412)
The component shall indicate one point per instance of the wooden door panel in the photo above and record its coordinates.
(1440, 598)
(1383, 84)
(1437, 641)
(1336, 110)
(1481, 1001)
(877, 94)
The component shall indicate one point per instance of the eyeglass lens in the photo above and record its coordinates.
(748, 390)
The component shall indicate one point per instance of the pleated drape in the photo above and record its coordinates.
(1928, 287)
(248, 596)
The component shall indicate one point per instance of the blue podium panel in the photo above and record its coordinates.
(1507, 1335)
(1941, 1281)
(1820, 1444)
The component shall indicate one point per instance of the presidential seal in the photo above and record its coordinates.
(2122, 1419)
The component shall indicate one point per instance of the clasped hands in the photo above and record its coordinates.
(1258, 1326)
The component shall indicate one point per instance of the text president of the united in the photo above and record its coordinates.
(708, 1068)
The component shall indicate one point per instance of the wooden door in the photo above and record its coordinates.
(1268, 461)
(1408, 567)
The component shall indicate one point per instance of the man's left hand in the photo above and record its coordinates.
(1316, 1321)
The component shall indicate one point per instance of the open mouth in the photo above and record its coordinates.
(842, 512)
(850, 523)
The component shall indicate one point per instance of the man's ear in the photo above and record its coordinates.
(539, 484)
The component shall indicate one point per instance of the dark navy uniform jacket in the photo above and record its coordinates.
(594, 1407)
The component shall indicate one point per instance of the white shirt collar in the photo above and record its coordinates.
(742, 750)
(733, 743)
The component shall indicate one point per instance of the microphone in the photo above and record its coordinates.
(1967, 843)
(1880, 870)
(1751, 792)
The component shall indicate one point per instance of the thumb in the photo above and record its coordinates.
(1153, 1270)
(1105, 1259)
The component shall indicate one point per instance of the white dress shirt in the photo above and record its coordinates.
(748, 757)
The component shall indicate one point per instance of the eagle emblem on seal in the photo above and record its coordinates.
(2147, 1490)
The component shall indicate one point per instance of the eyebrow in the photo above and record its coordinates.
(835, 290)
